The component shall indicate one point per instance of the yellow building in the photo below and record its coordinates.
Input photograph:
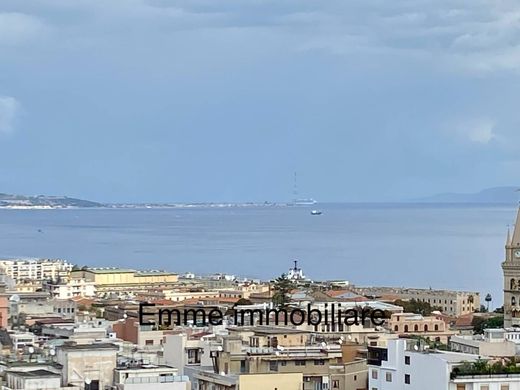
(124, 280)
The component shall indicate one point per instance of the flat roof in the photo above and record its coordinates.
(35, 373)
(87, 347)
(110, 270)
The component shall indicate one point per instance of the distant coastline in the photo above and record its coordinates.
(490, 196)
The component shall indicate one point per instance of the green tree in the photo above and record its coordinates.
(416, 306)
(243, 302)
(479, 323)
(282, 287)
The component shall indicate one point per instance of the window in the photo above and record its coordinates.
(148, 342)
(416, 328)
(273, 366)
(407, 379)
(504, 387)
(335, 384)
(426, 328)
(406, 328)
(461, 387)
(319, 362)
(283, 363)
(299, 363)
(407, 360)
(436, 327)
(484, 387)
(374, 374)
(389, 377)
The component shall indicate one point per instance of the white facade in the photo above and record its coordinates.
(72, 288)
(149, 376)
(405, 368)
(36, 269)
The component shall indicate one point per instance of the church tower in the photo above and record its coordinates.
(511, 269)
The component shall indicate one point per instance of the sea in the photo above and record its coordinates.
(414, 245)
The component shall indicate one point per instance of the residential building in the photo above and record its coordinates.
(71, 288)
(493, 343)
(408, 364)
(36, 269)
(37, 379)
(149, 376)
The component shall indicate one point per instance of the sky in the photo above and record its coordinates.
(223, 100)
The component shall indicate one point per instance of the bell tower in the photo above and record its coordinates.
(511, 269)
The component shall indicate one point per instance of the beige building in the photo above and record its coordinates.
(511, 270)
(124, 281)
(431, 327)
(452, 303)
(493, 343)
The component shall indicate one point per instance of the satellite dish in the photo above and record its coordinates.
(31, 350)
(416, 347)
(349, 337)
(52, 352)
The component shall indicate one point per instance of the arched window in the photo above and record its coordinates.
(396, 328)
(416, 328)
(406, 328)
(512, 284)
(513, 301)
(426, 328)
(436, 327)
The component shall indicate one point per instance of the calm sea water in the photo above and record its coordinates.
(438, 246)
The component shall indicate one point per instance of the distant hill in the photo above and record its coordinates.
(43, 201)
(490, 195)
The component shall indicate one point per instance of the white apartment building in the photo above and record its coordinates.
(70, 289)
(407, 365)
(36, 269)
(403, 365)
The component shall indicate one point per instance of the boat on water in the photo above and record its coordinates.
(316, 212)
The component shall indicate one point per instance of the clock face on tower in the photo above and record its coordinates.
(517, 254)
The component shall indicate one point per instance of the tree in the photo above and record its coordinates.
(416, 306)
(243, 302)
(479, 323)
(282, 287)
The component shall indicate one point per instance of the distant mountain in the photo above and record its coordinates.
(490, 195)
(43, 201)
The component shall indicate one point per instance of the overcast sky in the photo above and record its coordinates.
(209, 100)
